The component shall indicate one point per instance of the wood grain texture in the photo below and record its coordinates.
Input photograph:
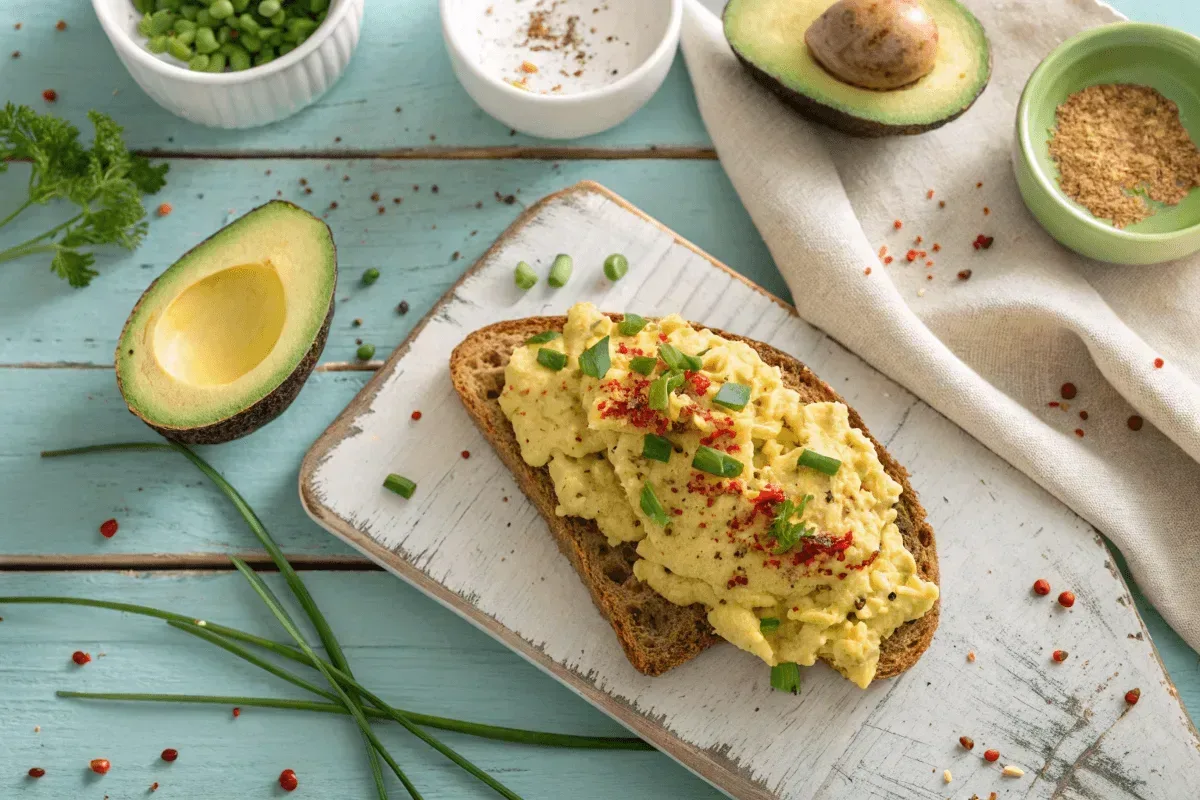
(1069, 728)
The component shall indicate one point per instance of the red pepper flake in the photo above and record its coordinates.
(699, 382)
(164, 209)
(929, 263)
(986, 211)
(397, 200)
(375, 197)
(1054, 404)
(928, 278)
(911, 255)
(36, 772)
(1068, 391)
(941, 203)
(466, 453)
(883, 251)
(1134, 423)
(737, 580)
(979, 185)
(1059, 655)
(1158, 363)
(1041, 586)
(288, 780)
(897, 224)
(1079, 432)
(416, 415)
(100, 766)
(936, 247)
(992, 755)
(929, 195)
(170, 754)
(662, 337)
(982, 242)
(867, 271)
(1132, 696)
(154, 786)
(917, 240)
(61, 25)
(1066, 599)
(383, 209)
(1083, 415)
(967, 742)
(887, 260)
(237, 712)
(108, 528)
(50, 95)
(964, 274)
(16, 53)
(80, 657)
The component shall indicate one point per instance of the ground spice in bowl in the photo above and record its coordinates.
(1117, 145)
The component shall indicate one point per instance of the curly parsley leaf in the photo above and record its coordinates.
(784, 531)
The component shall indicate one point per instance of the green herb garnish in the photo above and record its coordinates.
(677, 359)
(657, 448)
(643, 365)
(784, 531)
(369, 276)
(400, 485)
(560, 271)
(615, 267)
(652, 508)
(543, 337)
(714, 462)
(524, 276)
(820, 463)
(595, 361)
(785, 677)
(661, 389)
(631, 325)
(365, 352)
(734, 396)
(551, 359)
(107, 183)
(768, 625)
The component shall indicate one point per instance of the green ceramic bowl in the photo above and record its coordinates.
(1127, 52)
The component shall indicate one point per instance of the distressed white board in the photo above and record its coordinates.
(471, 540)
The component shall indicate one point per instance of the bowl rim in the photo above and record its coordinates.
(665, 46)
(1156, 36)
(122, 39)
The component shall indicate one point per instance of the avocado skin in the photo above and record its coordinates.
(269, 406)
(840, 120)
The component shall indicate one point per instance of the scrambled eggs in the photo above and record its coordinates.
(774, 513)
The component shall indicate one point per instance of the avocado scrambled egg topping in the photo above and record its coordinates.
(691, 446)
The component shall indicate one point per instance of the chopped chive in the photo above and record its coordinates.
(652, 508)
(714, 462)
(595, 361)
(676, 359)
(786, 677)
(733, 396)
(370, 276)
(543, 337)
(631, 324)
(524, 276)
(643, 365)
(820, 463)
(768, 625)
(661, 389)
(400, 485)
(365, 352)
(560, 272)
(615, 267)
(551, 359)
(657, 448)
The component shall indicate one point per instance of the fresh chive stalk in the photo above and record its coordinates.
(716, 463)
(820, 463)
(768, 625)
(652, 507)
(400, 485)
(657, 448)
(734, 396)
(785, 677)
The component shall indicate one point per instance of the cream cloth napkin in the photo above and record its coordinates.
(991, 352)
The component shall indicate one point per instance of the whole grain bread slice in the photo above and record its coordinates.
(656, 634)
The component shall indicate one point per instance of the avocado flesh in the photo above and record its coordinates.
(222, 342)
(768, 37)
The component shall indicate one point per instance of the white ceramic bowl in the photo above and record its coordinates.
(574, 92)
(246, 99)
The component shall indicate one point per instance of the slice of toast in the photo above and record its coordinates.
(656, 634)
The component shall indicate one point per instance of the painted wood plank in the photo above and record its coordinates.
(412, 243)
(1069, 728)
(409, 650)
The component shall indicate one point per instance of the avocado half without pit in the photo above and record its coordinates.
(221, 343)
(864, 67)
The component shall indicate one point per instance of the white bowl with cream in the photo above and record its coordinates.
(565, 69)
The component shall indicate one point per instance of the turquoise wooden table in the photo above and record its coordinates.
(397, 126)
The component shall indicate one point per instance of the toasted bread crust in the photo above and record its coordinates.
(656, 634)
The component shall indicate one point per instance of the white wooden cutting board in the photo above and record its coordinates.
(469, 539)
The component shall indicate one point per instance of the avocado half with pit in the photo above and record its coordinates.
(221, 343)
(769, 38)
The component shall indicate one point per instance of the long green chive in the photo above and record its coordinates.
(400, 485)
(786, 677)
(596, 360)
(560, 272)
(652, 508)
(615, 267)
(543, 337)
(631, 325)
(768, 625)
(657, 448)
(643, 365)
(551, 359)
(820, 463)
(661, 389)
(677, 359)
(734, 396)
(524, 276)
(714, 462)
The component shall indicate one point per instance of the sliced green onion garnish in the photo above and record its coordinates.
(733, 396)
(551, 359)
(661, 388)
(615, 267)
(560, 273)
(631, 325)
(768, 625)
(595, 360)
(714, 462)
(786, 677)
(400, 485)
(543, 337)
(652, 508)
(820, 463)
(676, 359)
(643, 365)
(657, 447)
(524, 276)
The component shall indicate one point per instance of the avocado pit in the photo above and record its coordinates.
(875, 44)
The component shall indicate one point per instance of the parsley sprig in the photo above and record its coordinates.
(106, 181)
(785, 532)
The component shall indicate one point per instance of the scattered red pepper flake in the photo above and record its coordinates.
(1066, 599)
(1158, 363)
(967, 742)
(50, 95)
(100, 766)
(992, 755)
(928, 278)
(1132, 696)
(466, 453)
(80, 657)
(1059, 655)
(1068, 391)
(911, 255)
(154, 786)
(36, 772)
(164, 209)
(929, 262)
(1134, 423)
(61, 25)
(970, 656)
(979, 185)
(929, 195)
(170, 754)
(986, 211)
(982, 242)
(867, 271)
(883, 251)
(1054, 404)
(936, 247)
(288, 780)
(897, 224)
(941, 203)
(887, 259)
(16, 53)
(382, 209)
(1083, 415)
(237, 712)
(1079, 432)
(1041, 586)
(964, 274)
(108, 528)
(416, 415)
(918, 240)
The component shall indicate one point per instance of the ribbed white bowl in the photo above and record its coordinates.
(247, 99)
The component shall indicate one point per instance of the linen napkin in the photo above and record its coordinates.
(990, 352)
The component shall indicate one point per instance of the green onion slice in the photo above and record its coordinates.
(734, 396)
(786, 677)
(768, 625)
(631, 325)
(643, 365)
(400, 485)
(657, 448)
(676, 359)
(661, 389)
(543, 337)
(652, 508)
(595, 361)
(820, 463)
(560, 272)
(615, 267)
(714, 462)
(524, 276)
(551, 359)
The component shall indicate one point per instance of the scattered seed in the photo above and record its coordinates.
(434, 188)
(16, 53)
(403, 307)
(1134, 423)
(929, 195)
(979, 185)
(1066, 599)
(967, 742)
(36, 772)
(416, 415)
(1083, 415)
(1041, 586)
(288, 780)
(237, 712)
(946, 776)
(936, 247)
(1079, 432)
(170, 754)
(382, 209)
(1012, 772)
(466, 453)
(332, 204)
(100, 766)
(1059, 655)
(80, 657)
(1068, 391)
(308, 190)
(154, 786)
(867, 271)
(964, 274)
(357, 322)
(375, 197)
(61, 25)
(50, 95)
(108, 528)
(992, 755)
(941, 203)
(397, 200)
(1158, 363)
(897, 224)
(1132, 696)
(986, 211)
